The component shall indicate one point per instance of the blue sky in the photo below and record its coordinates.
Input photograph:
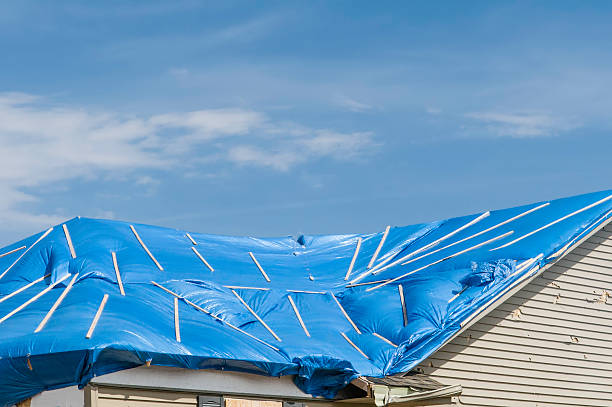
(282, 118)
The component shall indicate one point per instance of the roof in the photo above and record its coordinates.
(91, 296)
(414, 380)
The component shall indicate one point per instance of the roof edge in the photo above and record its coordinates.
(605, 220)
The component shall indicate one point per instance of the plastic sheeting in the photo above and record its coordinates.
(352, 323)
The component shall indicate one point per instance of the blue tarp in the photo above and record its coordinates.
(353, 320)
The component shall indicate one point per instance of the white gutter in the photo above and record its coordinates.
(447, 391)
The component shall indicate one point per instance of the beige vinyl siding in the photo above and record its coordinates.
(548, 345)
(121, 397)
(107, 396)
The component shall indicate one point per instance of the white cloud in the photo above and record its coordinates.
(43, 145)
(273, 158)
(301, 146)
(521, 125)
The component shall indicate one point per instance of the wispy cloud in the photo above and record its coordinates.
(521, 125)
(351, 104)
(45, 144)
(291, 151)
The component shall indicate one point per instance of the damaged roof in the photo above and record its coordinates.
(91, 296)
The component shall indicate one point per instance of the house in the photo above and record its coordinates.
(501, 308)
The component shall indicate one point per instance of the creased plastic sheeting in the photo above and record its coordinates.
(450, 271)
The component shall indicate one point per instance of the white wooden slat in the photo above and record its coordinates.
(400, 289)
(12, 251)
(355, 254)
(346, 315)
(177, 322)
(146, 249)
(379, 247)
(56, 304)
(261, 270)
(69, 241)
(569, 215)
(202, 259)
(382, 338)
(384, 266)
(191, 239)
(25, 252)
(482, 232)
(34, 298)
(477, 246)
(96, 318)
(194, 305)
(354, 345)
(25, 287)
(117, 273)
(299, 317)
(248, 307)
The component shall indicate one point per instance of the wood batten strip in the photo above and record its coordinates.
(94, 323)
(442, 259)
(366, 283)
(576, 238)
(454, 297)
(144, 246)
(400, 289)
(24, 253)
(241, 287)
(526, 264)
(194, 305)
(12, 251)
(56, 304)
(25, 287)
(31, 300)
(520, 215)
(299, 317)
(117, 274)
(350, 269)
(69, 241)
(381, 267)
(202, 259)
(191, 239)
(177, 323)
(569, 215)
(259, 267)
(345, 313)
(256, 316)
(380, 246)
(353, 345)
(306, 292)
(382, 338)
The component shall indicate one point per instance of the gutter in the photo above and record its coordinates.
(448, 391)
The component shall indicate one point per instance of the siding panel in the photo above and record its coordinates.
(548, 345)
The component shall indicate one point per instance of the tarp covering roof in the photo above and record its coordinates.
(324, 308)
